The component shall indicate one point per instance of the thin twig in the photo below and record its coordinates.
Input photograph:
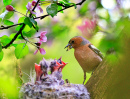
(42, 17)
(60, 4)
(2, 28)
(28, 40)
(20, 13)
(34, 7)
(23, 25)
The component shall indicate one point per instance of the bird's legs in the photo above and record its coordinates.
(84, 77)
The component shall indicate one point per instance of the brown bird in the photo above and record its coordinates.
(88, 56)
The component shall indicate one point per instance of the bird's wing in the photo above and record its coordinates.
(97, 51)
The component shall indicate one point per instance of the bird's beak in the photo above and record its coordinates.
(69, 46)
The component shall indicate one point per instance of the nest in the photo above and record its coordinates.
(52, 86)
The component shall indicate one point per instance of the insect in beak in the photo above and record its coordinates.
(69, 46)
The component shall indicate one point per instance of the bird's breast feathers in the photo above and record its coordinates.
(87, 58)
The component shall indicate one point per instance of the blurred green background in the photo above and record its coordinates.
(112, 16)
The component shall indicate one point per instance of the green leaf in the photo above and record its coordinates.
(0, 20)
(4, 40)
(2, 15)
(42, 0)
(75, 6)
(18, 27)
(0, 47)
(15, 45)
(62, 2)
(7, 22)
(8, 15)
(28, 22)
(34, 24)
(67, 1)
(26, 29)
(21, 20)
(7, 2)
(21, 50)
(36, 28)
(12, 36)
(33, 21)
(52, 9)
(84, 8)
(1, 55)
(59, 8)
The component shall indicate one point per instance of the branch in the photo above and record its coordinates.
(66, 7)
(34, 7)
(28, 40)
(23, 25)
(20, 31)
(41, 17)
(2, 28)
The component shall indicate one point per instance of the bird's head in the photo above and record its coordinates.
(76, 42)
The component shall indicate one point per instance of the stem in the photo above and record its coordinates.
(32, 37)
(2, 28)
(20, 31)
(20, 13)
(66, 7)
(41, 17)
(34, 7)
(28, 40)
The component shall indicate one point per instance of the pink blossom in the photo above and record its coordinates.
(9, 8)
(35, 52)
(38, 6)
(42, 51)
(29, 7)
(87, 28)
(42, 36)
(34, 2)
(41, 10)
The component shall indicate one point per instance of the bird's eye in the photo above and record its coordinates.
(72, 41)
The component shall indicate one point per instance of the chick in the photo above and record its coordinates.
(88, 56)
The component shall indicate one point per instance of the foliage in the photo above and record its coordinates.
(21, 50)
(52, 9)
(20, 31)
(7, 2)
(28, 23)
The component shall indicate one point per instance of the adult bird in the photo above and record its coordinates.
(87, 55)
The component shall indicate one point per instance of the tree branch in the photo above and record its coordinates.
(41, 17)
(23, 25)
(20, 31)
(2, 28)
(34, 8)
(80, 3)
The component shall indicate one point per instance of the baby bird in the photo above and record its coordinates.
(88, 56)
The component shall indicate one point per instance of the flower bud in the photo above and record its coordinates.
(9, 8)
(34, 3)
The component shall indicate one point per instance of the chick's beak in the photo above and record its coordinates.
(69, 46)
